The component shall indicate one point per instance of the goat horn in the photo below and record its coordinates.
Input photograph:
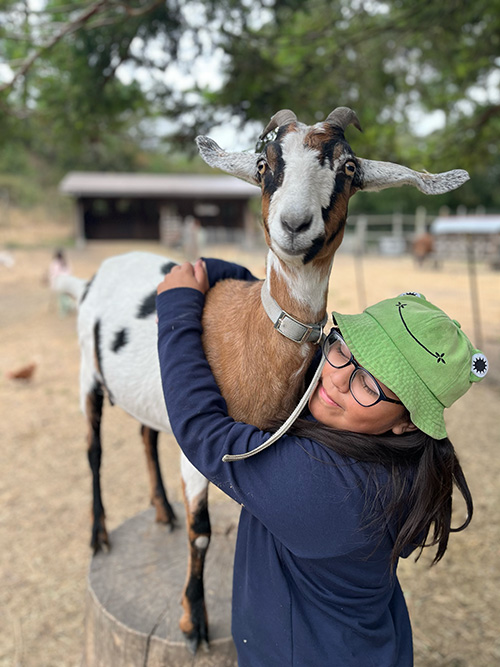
(282, 117)
(342, 117)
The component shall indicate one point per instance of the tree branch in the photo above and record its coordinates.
(487, 115)
(128, 12)
(144, 10)
(76, 24)
(65, 30)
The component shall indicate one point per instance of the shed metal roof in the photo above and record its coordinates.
(467, 224)
(168, 186)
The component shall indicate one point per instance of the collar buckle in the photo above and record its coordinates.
(287, 325)
(311, 333)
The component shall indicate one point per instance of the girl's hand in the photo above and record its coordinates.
(186, 275)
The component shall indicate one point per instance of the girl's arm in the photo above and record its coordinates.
(279, 486)
(194, 402)
(218, 269)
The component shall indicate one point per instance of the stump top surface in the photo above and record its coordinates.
(139, 582)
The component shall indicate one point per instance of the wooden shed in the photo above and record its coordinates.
(156, 207)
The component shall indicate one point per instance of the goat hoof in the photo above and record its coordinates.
(100, 540)
(164, 512)
(193, 643)
(169, 523)
(195, 630)
(103, 546)
(165, 519)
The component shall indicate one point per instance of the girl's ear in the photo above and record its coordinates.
(403, 427)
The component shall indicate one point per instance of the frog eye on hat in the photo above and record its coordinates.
(420, 296)
(479, 366)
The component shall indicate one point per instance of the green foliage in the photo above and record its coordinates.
(22, 192)
(78, 112)
(387, 61)
(89, 84)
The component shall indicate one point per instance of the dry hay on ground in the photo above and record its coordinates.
(45, 482)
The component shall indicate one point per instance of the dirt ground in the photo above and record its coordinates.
(45, 481)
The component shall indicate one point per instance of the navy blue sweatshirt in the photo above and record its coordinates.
(312, 584)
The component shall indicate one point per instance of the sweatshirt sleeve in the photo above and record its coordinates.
(281, 485)
(197, 411)
(218, 269)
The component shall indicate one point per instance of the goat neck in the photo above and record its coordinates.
(301, 291)
(261, 375)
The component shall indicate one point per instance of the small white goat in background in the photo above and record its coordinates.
(307, 175)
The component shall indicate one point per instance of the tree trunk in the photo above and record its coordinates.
(134, 592)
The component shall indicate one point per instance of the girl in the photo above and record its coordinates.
(356, 483)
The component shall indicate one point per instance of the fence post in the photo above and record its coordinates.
(474, 291)
(359, 249)
(397, 225)
(420, 220)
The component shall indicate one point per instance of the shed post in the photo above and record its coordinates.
(79, 218)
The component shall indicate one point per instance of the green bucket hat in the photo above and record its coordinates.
(417, 351)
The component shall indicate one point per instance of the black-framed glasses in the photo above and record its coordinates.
(363, 386)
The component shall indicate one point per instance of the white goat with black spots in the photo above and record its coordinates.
(307, 175)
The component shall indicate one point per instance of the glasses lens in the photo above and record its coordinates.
(364, 388)
(337, 352)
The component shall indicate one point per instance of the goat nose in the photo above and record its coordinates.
(296, 226)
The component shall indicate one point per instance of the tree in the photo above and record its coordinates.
(85, 75)
(391, 61)
(88, 78)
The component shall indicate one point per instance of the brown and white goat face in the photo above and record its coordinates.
(307, 175)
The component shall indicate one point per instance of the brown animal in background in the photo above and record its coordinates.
(422, 247)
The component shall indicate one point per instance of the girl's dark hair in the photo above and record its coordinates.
(422, 473)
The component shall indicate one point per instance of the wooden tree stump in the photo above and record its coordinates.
(134, 592)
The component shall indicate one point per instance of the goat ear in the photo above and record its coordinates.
(381, 175)
(241, 165)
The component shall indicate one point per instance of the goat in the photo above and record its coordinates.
(422, 247)
(307, 175)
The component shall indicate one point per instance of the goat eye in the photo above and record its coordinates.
(261, 167)
(350, 168)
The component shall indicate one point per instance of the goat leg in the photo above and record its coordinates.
(164, 511)
(194, 621)
(94, 404)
